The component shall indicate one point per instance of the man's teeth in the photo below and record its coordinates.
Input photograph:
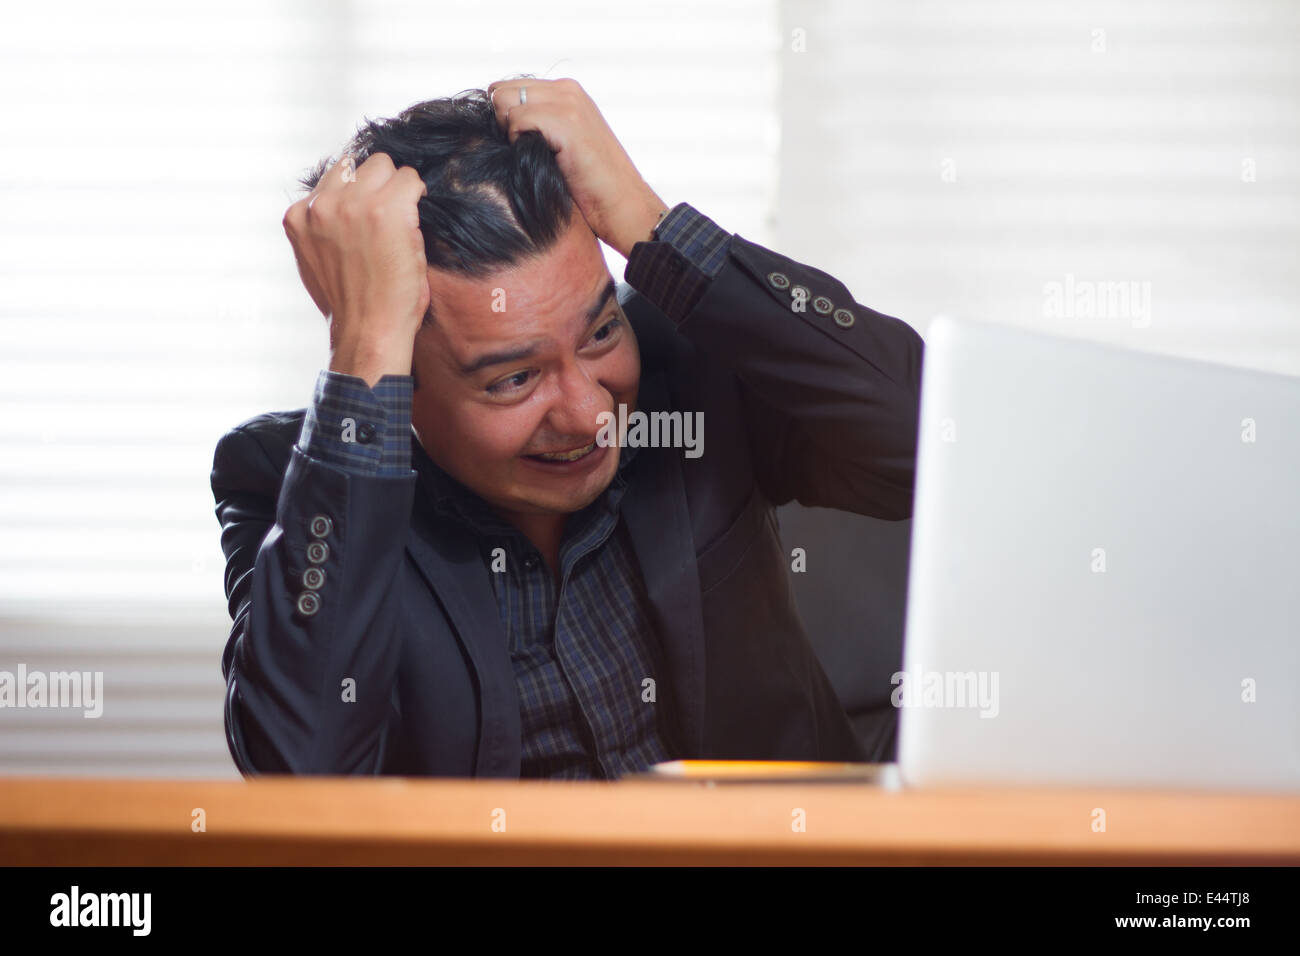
(567, 455)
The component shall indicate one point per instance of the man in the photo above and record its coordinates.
(452, 562)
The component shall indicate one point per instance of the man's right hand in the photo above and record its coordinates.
(360, 254)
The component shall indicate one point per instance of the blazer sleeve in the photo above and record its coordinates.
(313, 554)
(830, 388)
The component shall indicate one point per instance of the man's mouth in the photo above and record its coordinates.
(572, 454)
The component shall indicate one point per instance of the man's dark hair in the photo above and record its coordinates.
(491, 203)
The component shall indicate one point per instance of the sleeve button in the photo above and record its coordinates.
(308, 603)
(823, 305)
(778, 280)
(321, 526)
(843, 318)
(317, 552)
(313, 578)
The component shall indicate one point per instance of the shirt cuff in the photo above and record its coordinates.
(357, 428)
(674, 270)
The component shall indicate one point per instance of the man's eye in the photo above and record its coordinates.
(611, 327)
(507, 385)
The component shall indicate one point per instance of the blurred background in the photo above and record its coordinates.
(1122, 172)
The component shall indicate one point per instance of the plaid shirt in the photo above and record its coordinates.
(582, 651)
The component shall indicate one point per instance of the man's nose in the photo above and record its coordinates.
(578, 400)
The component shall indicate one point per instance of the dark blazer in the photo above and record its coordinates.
(818, 406)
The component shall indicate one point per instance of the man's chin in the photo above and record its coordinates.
(567, 504)
(553, 500)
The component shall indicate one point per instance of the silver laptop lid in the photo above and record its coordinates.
(1105, 568)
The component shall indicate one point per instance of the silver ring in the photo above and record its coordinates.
(523, 95)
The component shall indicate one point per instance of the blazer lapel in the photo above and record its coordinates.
(654, 507)
(449, 560)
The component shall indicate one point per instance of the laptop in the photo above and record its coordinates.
(1105, 569)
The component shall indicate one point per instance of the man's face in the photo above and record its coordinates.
(499, 386)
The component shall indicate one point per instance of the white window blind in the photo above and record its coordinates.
(946, 157)
(149, 300)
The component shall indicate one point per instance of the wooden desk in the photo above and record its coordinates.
(376, 821)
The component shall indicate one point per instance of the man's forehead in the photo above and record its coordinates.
(496, 305)
(558, 281)
(506, 319)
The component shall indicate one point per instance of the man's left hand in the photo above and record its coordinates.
(619, 206)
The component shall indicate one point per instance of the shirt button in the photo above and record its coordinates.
(308, 603)
(321, 526)
(365, 433)
(317, 552)
(531, 561)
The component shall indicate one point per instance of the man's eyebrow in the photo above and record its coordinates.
(599, 306)
(525, 351)
(498, 358)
